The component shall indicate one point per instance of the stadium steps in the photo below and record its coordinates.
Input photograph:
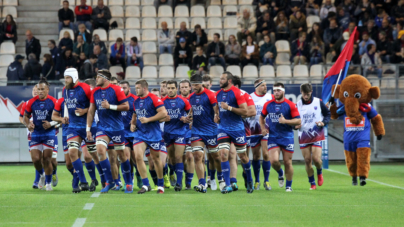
(40, 16)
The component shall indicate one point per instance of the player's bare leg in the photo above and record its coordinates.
(36, 157)
(318, 162)
(287, 161)
(198, 153)
(139, 152)
(214, 165)
(266, 164)
(276, 164)
(156, 156)
(112, 156)
(233, 167)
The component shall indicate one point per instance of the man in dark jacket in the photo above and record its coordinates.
(182, 54)
(331, 35)
(398, 11)
(101, 16)
(87, 71)
(183, 33)
(215, 51)
(15, 70)
(199, 63)
(32, 70)
(199, 37)
(102, 62)
(384, 47)
(83, 32)
(32, 45)
(54, 51)
(265, 26)
(66, 17)
(268, 51)
(300, 50)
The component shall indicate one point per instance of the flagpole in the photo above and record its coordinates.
(335, 89)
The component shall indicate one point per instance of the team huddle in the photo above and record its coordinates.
(178, 129)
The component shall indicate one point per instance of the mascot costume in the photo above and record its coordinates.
(355, 92)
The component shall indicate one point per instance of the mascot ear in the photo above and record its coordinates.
(374, 92)
(336, 95)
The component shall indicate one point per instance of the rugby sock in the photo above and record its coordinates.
(117, 182)
(257, 167)
(37, 176)
(119, 176)
(48, 179)
(91, 169)
(212, 174)
(202, 181)
(172, 169)
(205, 174)
(233, 180)
(160, 182)
(165, 170)
(71, 171)
(137, 172)
(319, 171)
(189, 177)
(126, 172)
(280, 172)
(153, 174)
(179, 170)
(247, 169)
(312, 181)
(207, 167)
(102, 175)
(226, 172)
(41, 171)
(145, 181)
(78, 166)
(266, 166)
(219, 175)
(54, 171)
(288, 183)
(106, 169)
(76, 179)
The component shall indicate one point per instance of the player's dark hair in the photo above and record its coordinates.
(106, 73)
(163, 82)
(156, 89)
(124, 82)
(237, 81)
(186, 81)
(279, 84)
(207, 78)
(43, 81)
(142, 83)
(173, 82)
(196, 77)
(306, 88)
(114, 78)
(257, 81)
(90, 82)
(229, 75)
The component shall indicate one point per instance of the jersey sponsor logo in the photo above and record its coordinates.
(99, 102)
(174, 113)
(197, 99)
(141, 113)
(124, 113)
(50, 142)
(220, 135)
(155, 146)
(193, 138)
(277, 108)
(71, 93)
(211, 142)
(42, 105)
(103, 94)
(71, 103)
(141, 103)
(349, 126)
(240, 139)
(173, 103)
(224, 96)
(290, 147)
(274, 117)
(308, 118)
(197, 110)
(179, 140)
(41, 114)
(116, 139)
(99, 133)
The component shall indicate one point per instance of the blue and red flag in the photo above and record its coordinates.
(342, 63)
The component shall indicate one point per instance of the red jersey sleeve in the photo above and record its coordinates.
(28, 109)
(187, 104)
(157, 102)
(294, 112)
(58, 106)
(264, 112)
(23, 109)
(211, 96)
(248, 99)
(120, 94)
(92, 100)
(239, 96)
(87, 89)
(53, 100)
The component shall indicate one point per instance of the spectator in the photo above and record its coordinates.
(363, 46)
(118, 53)
(233, 51)
(382, 15)
(83, 14)
(325, 8)
(199, 37)
(312, 8)
(265, 25)
(102, 62)
(80, 61)
(364, 7)
(262, 6)
(166, 39)
(87, 71)
(326, 23)
(83, 32)
(331, 35)
(337, 48)
(398, 48)
(396, 30)
(15, 70)
(384, 48)
(277, 6)
(32, 69)
(134, 52)
(372, 59)
(386, 28)
(348, 7)
(300, 50)
(81, 47)
(97, 42)
(350, 29)
(250, 53)
(316, 50)
(199, 63)
(315, 31)
(65, 42)
(32, 45)
(101, 15)
(54, 51)
(282, 26)
(66, 17)
(215, 51)
(183, 33)
(343, 18)
(48, 68)
(158, 3)
(246, 26)
(268, 51)
(8, 30)
(371, 30)
(182, 54)
(295, 5)
(297, 24)
(398, 11)
(65, 61)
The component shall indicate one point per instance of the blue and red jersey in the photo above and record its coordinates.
(109, 120)
(60, 107)
(361, 131)
(203, 113)
(127, 115)
(147, 107)
(230, 121)
(189, 131)
(250, 102)
(274, 110)
(176, 107)
(77, 97)
(41, 110)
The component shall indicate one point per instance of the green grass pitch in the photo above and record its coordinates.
(336, 203)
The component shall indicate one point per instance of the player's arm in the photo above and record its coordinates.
(241, 110)
(30, 125)
(90, 115)
(251, 111)
(133, 122)
(188, 118)
(161, 114)
(264, 114)
(21, 119)
(326, 115)
(121, 107)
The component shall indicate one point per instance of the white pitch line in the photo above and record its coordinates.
(88, 206)
(96, 194)
(79, 222)
(378, 182)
